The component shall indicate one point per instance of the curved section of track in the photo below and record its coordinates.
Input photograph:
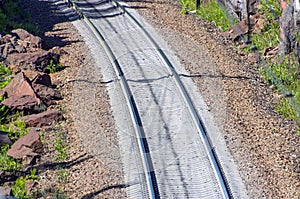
(177, 158)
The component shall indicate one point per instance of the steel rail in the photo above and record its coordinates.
(142, 140)
(213, 157)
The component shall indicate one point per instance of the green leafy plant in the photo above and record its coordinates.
(16, 128)
(210, 11)
(11, 17)
(59, 194)
(8, 163)
(33, 175)
(269, 37)
(3, 114)
(62, 176)
(271, 9)
(19, 190)
(4, 73)
(282, 72)
(54, 67)
(60, 147)
(11, 8)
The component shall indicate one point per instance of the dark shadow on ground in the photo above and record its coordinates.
(215, 76)
(59, 165)
(93, 194)
(46, 15)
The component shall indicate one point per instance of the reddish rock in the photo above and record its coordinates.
(30, 74)
(25, 44)
(31, 60)
(34, 41)
(4, 139)
(25, 103)
(28, 145)
(42, 78)
(21, 95)
(46, 94)
(20, 86)
(8, 49)
(43, 119)
(15, 69)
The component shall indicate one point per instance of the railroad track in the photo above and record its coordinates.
(178, 159)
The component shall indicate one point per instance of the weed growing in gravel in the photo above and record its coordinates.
(209, 11)
(62, 176)
(19, 190)
(54, 67)
(60, 146)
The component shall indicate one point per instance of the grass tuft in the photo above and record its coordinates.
(209, 11)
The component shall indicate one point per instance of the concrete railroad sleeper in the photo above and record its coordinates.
(154, 190)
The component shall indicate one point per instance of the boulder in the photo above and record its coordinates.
(20, 85)
(30, 74)
(20, 95)
(42, 87)
(5, 39)
(43, 119)
(4, 139)
(46, 94)
(8, 49)
(30, 60)
(29, 145)
(34, 41)
(24, 103)
(43, 79)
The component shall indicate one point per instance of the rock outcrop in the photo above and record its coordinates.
(43, 119)
(29, 145)
(24, 50)
(30, 96)
(20, 95)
